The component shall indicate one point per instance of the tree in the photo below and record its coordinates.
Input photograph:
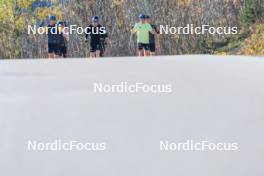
(251, 12)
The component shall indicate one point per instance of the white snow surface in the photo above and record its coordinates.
(214, 98)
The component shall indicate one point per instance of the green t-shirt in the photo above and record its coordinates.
(142, 30)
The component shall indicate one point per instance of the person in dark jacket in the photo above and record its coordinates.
(98, 38)
(63, 39)
(53, 37)
(154, 40)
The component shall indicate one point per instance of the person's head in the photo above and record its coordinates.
(61, 23)
(52, 19)
(147, 19)
(141, 18)
(95, 20)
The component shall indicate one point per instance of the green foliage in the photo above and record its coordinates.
(251, 12)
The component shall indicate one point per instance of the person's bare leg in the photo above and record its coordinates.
(97, 53)
(152, 54)
(51, 55)
(137, 52)
(92, 54)
(140, 53)
(56, 56)
(146, 52)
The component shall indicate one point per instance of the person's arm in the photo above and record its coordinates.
(86, 34)
(151, 30)
(88, 30)
(66, 35)
(134, 29)
(64, 32)
(158, 38)
(106, 38)
(158, 44)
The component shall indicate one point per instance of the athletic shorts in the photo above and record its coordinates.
(53, 48)
(95, 46)
(63, 51)
(152, 47)
(143, 46)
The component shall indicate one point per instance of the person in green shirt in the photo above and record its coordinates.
(142, 30)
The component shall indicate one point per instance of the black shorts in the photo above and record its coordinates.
(143, 46)
(95, 46)
(152, 47)
(63, 51)
(53, 48)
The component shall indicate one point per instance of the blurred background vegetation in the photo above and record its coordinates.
(119, 15)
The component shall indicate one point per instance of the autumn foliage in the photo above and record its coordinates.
(118, 16)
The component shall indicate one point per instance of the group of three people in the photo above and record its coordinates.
(145, 31)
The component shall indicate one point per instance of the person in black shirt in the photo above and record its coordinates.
(53, 38)
(152, 40)
(63, 39)
(98, 37)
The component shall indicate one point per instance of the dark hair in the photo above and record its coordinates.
(95, 19)
(147, 17)
(141, 16)
(62, 23)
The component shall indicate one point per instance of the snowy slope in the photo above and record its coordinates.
(213, 98)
